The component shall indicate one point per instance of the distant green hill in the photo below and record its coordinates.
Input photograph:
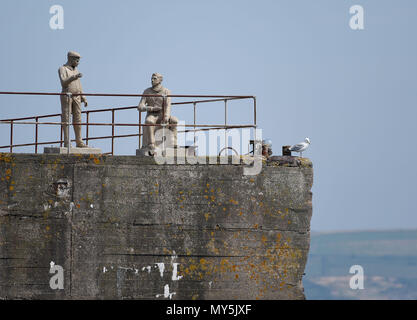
(389, 260)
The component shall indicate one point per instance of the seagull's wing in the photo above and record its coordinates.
(297, 147)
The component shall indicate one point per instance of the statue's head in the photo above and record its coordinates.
(73, 58)
(156, 79)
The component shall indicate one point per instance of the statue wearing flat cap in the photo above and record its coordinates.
(155, 115)
(70, 82)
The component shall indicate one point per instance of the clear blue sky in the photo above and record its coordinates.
(352, 92)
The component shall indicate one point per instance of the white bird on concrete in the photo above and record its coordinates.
(300, 147)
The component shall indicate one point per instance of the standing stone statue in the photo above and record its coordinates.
(70, 81)
(153, 106)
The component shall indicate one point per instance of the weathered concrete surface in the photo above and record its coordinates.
(75, 150)
(123, 227)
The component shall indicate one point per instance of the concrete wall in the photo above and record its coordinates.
(123, 227)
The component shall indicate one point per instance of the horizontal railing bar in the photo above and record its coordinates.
(208, 129)
(34, 117)
(53, 142)
(122, 95)
(130, 124)
(111, 109)
(29, 144)
(210, 100)
(118, 108)
(118, 136)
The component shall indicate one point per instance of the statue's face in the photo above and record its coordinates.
(74, 61)
(155, 80)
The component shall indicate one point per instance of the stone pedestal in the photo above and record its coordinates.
(63, 150)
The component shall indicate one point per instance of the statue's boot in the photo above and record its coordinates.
(79, 141)
(82, 145)
(151, 148)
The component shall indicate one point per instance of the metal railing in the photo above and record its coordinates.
(202, 127)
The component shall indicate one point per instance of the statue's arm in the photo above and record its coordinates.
(64, 78)
(83, 98)
(142, 103)
(144, 107)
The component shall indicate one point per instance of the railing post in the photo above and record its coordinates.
(163, 124)
(86, 135)
(163, 107)
(112, 132)
(194, 120)
(140, 126)
(11, 136)
(68, 125)
(60, 143)
(254, 111)
(36, 134)
(225, 123)
(254, 120)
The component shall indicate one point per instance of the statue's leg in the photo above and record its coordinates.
(76, 117)
(145, 137)
(65, 104)
(149, 131)
(173, 120)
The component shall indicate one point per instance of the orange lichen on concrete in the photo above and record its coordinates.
(96, 159)
(6, 157)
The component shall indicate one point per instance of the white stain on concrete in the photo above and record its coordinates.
(124, 268)
(147, 268)
(166, 293)
(175, 276)
(10, 206)
(161, 267)
(133, 269)
(173, 257)
(71, 208)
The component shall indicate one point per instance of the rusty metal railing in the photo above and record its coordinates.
(202, 127)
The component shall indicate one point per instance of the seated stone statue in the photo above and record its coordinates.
(153, 106)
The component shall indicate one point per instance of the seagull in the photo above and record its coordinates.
(300, 147)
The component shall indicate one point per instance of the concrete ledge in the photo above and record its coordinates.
(290, 161)
(188, 151)
(274, 161)
(73, 150)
